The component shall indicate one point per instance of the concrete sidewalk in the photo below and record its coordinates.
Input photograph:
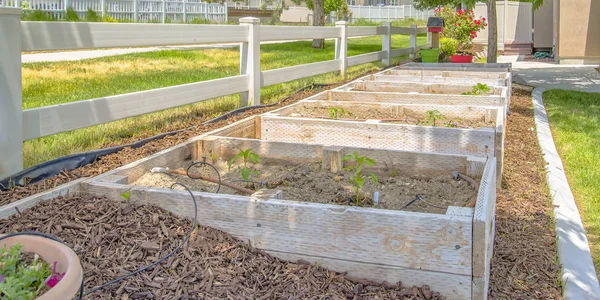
(552, 76)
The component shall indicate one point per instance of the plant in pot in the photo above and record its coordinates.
(448, 47)
(462, 26)
(33, 266)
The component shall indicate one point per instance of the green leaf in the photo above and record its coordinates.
(253, 157)
(374, 178)
(126, 195)
(347, 157)
(369, 161)
(238, 156)
(245, 173)
(360, 182)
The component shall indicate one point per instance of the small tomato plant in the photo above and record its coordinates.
(247, 156)
(338, 112)
(358, 179)
(478, 89)
(433, 115)
(20, 279)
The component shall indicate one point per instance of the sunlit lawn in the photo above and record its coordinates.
(575, 123)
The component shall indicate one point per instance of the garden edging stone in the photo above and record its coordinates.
(578, 275)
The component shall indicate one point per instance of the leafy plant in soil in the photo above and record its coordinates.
(21, 278)
(338, 112)
(358, 179)
(247, 156)
(433, 115)
(478, 89)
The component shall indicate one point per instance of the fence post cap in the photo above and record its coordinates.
(343, 23)
(10, 11)
(250, 20)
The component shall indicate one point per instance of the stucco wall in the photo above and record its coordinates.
(579, 32)
(542, 25)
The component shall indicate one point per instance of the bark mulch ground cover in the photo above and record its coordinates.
(524, 265)
(114, 238)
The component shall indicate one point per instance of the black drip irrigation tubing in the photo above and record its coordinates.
(54, 167)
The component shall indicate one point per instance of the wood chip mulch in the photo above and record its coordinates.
(524, 264)
(114, 238)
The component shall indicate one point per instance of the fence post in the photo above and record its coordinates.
(102, 9)
(136, 10)
(11, 138)
(413, 41)
(184, 12)
(164, 11)
(386, 43)
(66, 6)
(341, 46)
(206, 5)
(250, 61)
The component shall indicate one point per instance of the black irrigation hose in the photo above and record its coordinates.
(54, 167)
(119, 279)
(187, 173)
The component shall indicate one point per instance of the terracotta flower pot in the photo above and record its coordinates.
(51, 251)
(461, 59)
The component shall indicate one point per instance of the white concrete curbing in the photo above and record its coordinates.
(578, 274)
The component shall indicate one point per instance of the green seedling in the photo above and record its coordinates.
(433, 115)
(358, 179)
(126, 195)
(478, 89)
(248, 156)
(338, 112)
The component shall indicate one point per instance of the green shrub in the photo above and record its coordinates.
(71, 15)
(92, 16)
(448, 46)
(36, 15)
(199, 21)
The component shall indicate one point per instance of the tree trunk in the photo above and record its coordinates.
(492, 31)
(318, 20)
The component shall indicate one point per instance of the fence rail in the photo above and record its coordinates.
(17, 125)
(145, 11)
(386, 13)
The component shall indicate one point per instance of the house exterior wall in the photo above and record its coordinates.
(579, 32)
(543, 32)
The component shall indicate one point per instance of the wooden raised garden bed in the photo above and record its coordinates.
(450, 249)
(435, 76)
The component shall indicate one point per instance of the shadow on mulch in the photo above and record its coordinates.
(114, 238)
(524, 265)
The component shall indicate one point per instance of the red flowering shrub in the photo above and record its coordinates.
(460, 25)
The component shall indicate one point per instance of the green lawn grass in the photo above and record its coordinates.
(575, 123)
(62, 82)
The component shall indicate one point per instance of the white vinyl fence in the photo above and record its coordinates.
(389, 13)
(17, 125)
(152, 11)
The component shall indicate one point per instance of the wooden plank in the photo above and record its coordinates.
(114, 178)
(476, 166)
(460, 211)
(408, 98)
(400, 52)
(43, 121)
(494, 67)
(418, 87)
(269, 152)
(403, 30)
(445, 73)
(87, 35)
(280, 75)
(332, 159)
(438, 79)
(245, 128)
(285, 33)
(365, 58)
(451, 286)
(478, 142)
(31, 201)
(168, 158)
(365, 30)
(484, 227)
(421, 30)
(417, 241)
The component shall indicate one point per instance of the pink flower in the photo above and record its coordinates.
(483, 19)
(54, 278)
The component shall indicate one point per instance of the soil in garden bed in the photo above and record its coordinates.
(114, 238)
(309, 183)
(389, 115)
